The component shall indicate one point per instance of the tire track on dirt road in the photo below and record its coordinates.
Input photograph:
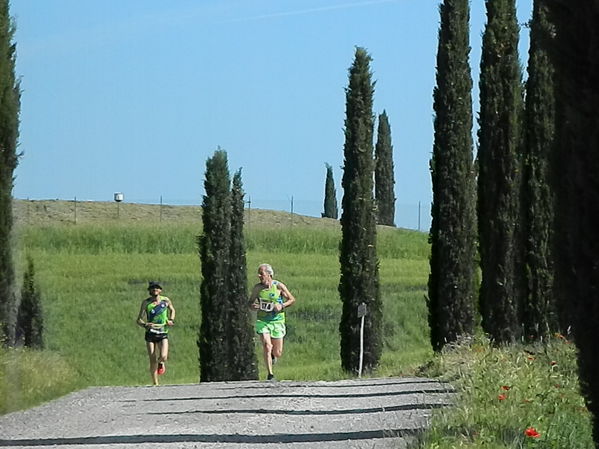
(357, 413)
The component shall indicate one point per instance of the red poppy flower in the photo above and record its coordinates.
(532, 433)
(502, 397)
(505, 387)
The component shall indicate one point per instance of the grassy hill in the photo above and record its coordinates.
(93, 271)
(44, 212)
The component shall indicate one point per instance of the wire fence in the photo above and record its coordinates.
(414, 216)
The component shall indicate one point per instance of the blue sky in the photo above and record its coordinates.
(133, 96)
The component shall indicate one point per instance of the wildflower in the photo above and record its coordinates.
(532, 433)
(505, 387)
(553, 363)
(502, 397)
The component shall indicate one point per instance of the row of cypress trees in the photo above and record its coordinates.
(504, 201)
(535, 217)
(384, 178)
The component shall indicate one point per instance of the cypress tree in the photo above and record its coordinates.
(499, 168)
(214, 248)
(359, 280)
(384, 177)
(330, 195)
(575, 180)
(452, 236)
(30, 325)
(539, 311)
(10, 99)
(242, 356)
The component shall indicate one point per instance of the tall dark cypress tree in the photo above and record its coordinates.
(539, 310)
(10, 104)
(384, 177)
(214, 246)
(30, 324)
(575, 180)
(499, 165)
(242, 356)
(359, 280)
(451, 289)
(330, 195)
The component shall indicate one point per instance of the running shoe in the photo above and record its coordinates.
(161, 368)
(270, 377)
(274, 360)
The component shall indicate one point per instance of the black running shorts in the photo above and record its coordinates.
(155, 337)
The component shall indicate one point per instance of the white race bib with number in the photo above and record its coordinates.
(267, 306)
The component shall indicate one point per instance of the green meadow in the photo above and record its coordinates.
(92, 274)
(93, 277)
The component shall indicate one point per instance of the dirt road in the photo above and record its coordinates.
(363, 413)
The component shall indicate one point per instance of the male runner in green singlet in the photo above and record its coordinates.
(269, 298)
(155, 314)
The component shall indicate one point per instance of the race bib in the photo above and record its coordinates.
(267, 306)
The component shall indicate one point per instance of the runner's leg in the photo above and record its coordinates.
(151, 347)
(163, 349)
(277, 347)
(267, 347)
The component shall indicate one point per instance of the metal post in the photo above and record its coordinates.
(361, 315)
(249, 203)
(161, 208)
(75, 211)
(419, 215)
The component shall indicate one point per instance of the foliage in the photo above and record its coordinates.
(30, 323)
(10, 104)
(29, 377)
(330, 195)
(451, 287)
(359, 281)
(539, 308)
(499, 169)
(510, 397)
(242, 360)
(384, 173)
(215, 243)
(575, 182)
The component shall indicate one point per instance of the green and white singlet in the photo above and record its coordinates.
(268, 297)
(158, 314)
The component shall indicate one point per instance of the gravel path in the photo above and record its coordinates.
(361, 413)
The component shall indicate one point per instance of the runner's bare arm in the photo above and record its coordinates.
(172, 312)
(142, 313)
(288, 298)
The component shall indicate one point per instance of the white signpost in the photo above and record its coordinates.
(361, 314)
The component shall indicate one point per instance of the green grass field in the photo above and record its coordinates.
(93, 275)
